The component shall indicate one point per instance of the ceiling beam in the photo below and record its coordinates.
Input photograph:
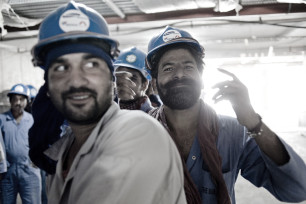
(282, 8)
(209, 12)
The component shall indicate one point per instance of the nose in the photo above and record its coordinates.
(179, 72)
(78, 78)
(18, 102)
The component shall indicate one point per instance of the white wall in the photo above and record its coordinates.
(16, 65)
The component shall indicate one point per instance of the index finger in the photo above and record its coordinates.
(227, 73)
(124, 73)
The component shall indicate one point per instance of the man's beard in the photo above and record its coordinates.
(180, 98)
(91, 115)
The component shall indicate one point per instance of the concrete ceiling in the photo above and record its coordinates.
(249, 27)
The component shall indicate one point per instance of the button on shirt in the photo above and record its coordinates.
(240, 153)
(15, 137)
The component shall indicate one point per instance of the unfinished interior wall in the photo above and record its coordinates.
(16, 67)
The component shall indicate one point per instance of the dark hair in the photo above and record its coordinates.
(157, 56)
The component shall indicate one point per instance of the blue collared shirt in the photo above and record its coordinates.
(15, 137)
(239, 153)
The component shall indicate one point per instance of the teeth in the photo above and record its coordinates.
(80, 97)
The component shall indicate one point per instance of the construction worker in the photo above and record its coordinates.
(33, 93)
(132, 80)
(106, 156)
(22, 176)
(215, 148)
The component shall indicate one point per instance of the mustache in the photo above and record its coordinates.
(186, 81)
(73, 90)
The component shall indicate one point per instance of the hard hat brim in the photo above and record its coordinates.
(39, 50)
(16, 93)
(144, 73)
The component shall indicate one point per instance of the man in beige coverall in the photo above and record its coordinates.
(107, 155)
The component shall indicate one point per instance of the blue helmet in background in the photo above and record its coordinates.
(32, 91)
(169, 36)
(19, 89)
(133, 58)
(71, 23)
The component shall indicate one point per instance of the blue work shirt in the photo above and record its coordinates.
(16, 137)
(241, 153)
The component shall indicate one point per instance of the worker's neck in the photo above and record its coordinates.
(81, 132)
(183, 119)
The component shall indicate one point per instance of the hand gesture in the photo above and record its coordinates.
(237, 93)
(125, 85)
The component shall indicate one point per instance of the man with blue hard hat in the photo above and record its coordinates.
(214, 148)
(132, 80)
(107, 155)
(22, 176)
(32, 93)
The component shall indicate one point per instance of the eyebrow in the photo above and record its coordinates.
(86, 57)
(171, 63)
(58, 60)
(89, 56)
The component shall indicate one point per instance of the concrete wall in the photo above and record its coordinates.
(16, 65)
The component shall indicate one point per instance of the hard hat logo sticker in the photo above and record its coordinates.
(131, 58)
(74, 20)
(170, 35)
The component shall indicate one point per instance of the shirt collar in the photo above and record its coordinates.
(56, 150)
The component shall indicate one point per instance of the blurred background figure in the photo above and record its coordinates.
(22, 175)
(33, 93)
(43, 174)
(132, 80)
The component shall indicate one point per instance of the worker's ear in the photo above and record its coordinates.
(48, 94)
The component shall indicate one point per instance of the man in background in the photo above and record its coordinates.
(132, 80)
(22, 176)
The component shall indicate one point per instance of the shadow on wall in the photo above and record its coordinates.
(4, 101)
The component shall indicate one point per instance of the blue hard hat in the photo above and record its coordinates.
(133, 58)
(168, 36)
(19, 89)
(32, 91)
(73, 22)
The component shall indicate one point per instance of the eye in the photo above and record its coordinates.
(168, 69)
(59, 67)
(189, 67)
(91, 64)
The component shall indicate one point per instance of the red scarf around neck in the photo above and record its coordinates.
(207, 135)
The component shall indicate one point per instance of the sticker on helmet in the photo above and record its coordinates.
(74, 20)
(131, 58)
(19, 88)
(170, 35)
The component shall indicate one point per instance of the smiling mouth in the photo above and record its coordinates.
(82, 97)
(79, 97)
